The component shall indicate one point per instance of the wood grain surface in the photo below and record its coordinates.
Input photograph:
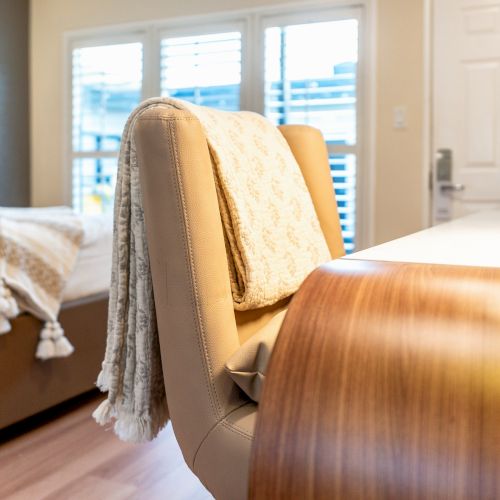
(384, 384)
(63, 454)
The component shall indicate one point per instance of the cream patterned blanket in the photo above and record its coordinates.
(38, 250)
(273, 237)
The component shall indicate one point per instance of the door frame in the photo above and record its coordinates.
(429, 147)
(427, 123)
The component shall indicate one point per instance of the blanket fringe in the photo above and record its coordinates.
(103, 413)
(129, 427)
(53, 343)
(103, 378)
(137, 429)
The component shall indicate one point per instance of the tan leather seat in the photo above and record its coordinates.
(199, 329)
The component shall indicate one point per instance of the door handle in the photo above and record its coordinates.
(445, 190)
(451, 188)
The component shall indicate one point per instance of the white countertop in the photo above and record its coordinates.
(470, 241)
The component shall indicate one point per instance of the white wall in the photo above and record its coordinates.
(398, 165)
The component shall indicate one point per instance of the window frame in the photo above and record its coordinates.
(317, 16)
(251, 23)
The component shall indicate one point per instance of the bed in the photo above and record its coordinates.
(28, 385)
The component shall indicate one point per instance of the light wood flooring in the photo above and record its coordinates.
(68, 456)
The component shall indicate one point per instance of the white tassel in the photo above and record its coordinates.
(62, 345)
(103, 413)
(53, 343)
(46, 348)
(4, 324)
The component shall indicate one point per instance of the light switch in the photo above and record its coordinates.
(399, 118)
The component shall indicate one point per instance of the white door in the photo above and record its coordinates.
(466, 106)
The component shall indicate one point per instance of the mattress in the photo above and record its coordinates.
(92, 272)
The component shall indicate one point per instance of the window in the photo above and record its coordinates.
(304, 83)
(296, 68)
(205, 70)
(106, 87)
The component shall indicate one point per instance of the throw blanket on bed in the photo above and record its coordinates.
(38, 250)
(273, 237)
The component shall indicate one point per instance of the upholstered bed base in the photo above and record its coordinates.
(28, 385)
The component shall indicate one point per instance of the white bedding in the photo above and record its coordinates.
(92, 272)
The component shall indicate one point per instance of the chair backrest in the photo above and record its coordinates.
(199, 329)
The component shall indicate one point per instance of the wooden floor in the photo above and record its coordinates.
(68, 456)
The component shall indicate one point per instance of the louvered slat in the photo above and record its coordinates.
(203, 69)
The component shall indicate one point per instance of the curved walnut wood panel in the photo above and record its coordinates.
(384, 384)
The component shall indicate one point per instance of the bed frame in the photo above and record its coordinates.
(28, 385)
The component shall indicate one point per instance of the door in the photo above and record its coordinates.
(466, 109)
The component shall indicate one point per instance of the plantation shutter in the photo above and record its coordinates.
(311, 78)
(106, 87)
(204, 69)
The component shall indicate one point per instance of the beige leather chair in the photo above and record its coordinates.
(199, 329)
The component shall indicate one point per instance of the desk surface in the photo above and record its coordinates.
(470, 241)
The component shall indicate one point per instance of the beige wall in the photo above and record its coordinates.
(399, 157)
(398, 200)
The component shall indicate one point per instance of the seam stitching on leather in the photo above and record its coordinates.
(168, 119)
(237, 430)
(189, 260)
(227, 425)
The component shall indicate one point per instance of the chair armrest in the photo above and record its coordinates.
(384, 383)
